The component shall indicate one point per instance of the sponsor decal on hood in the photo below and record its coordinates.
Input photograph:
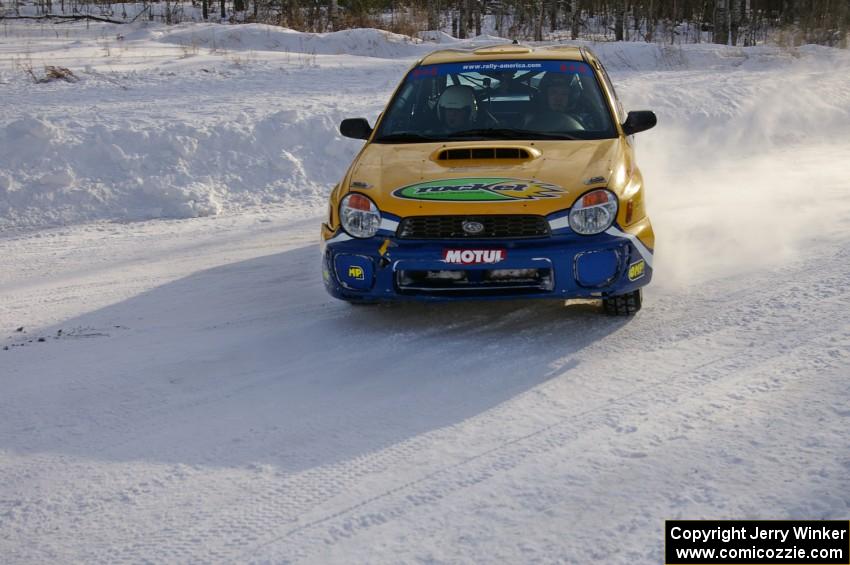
(479, 190)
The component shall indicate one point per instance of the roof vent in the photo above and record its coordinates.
(509, 49)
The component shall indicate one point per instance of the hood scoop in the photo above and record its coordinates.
(476, 153)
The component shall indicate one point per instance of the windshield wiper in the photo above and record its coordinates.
(510, 133)
(405, 137)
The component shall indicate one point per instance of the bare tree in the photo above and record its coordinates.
(539, 15)
(721, 22)
(619, 19)
(575, 19)
(433, 8)
(733, 22)
(333, 15)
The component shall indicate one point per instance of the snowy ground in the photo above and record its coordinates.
(198, 398)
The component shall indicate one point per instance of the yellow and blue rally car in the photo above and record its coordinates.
(498, 172)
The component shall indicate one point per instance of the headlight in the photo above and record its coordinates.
(359, 216)
(594, 212)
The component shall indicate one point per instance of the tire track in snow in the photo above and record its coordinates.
(302, 496)
(305, 539)
(238, 510)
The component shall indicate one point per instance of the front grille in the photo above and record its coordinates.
(475, 282)
(451, 227)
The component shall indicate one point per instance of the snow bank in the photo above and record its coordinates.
(261, 37)
(639, 56)
(437, 36)
(57, 171)
(196, 120)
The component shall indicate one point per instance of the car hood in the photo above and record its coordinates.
(484, 177)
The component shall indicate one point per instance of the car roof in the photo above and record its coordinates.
(507, 51)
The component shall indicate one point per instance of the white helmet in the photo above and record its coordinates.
(458, 97)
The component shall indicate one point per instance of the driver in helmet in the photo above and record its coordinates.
(555, 92)
(457, 108)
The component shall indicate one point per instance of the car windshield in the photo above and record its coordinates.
(497, 100)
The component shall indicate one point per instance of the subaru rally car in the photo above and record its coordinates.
(498, 172)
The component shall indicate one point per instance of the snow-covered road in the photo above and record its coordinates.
(197, 397)
(210, 402)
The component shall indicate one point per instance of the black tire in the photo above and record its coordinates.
(623, 304)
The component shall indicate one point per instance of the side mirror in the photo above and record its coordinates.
(639, 121)
(355, 128)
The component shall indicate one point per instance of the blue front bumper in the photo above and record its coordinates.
(561, 266)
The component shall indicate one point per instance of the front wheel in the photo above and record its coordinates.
(623, 304)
